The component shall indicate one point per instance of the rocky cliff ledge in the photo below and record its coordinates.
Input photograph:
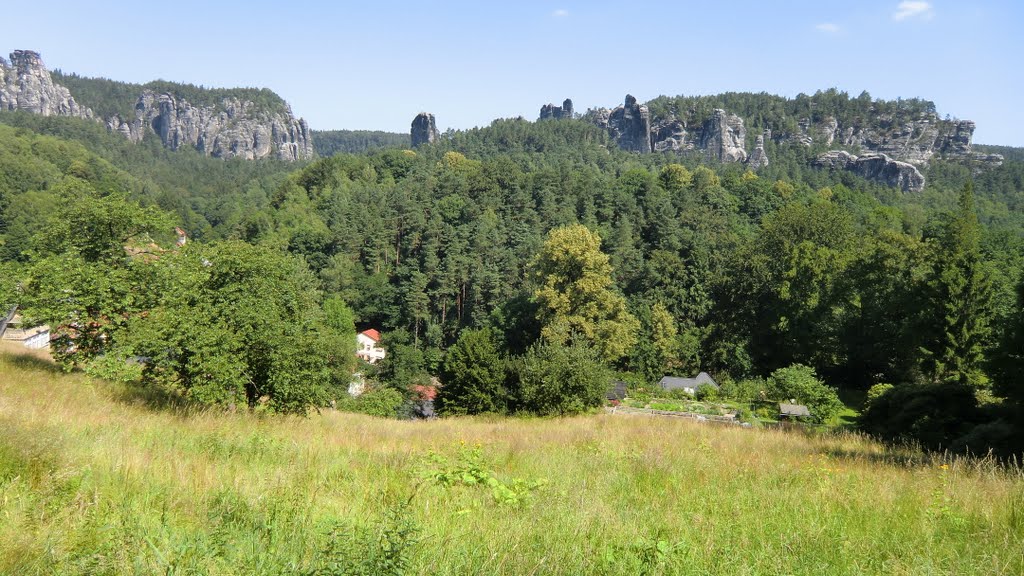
(875, 167)
(233, 128)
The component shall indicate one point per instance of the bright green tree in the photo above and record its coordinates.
(235, 324)
(575, 297)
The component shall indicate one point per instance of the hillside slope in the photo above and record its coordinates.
(96, 481)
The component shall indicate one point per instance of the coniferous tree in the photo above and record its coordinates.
(960, 293)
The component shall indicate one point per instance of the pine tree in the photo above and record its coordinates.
(960, 291)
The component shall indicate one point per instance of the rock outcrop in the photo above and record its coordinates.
(25, 84)
(423, 130)
(628, 125)
(235, 129)
(550, 111)
(758, 158)
(669, 136)
(723, 136)
(915, 140)
(875, 167)
(232, 128)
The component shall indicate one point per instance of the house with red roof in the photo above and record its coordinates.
(367, 346)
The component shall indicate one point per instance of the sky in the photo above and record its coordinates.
(375, 65)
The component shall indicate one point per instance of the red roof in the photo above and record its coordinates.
(371, 334)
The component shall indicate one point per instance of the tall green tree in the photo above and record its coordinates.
(576, 298)
(960, 294)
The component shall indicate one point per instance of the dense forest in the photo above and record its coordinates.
(331, 142)
(524, 266)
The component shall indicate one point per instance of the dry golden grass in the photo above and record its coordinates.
(95, 480)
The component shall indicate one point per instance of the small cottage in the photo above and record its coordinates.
(688, 385)
(367, 348)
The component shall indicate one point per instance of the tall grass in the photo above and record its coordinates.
(94, 480)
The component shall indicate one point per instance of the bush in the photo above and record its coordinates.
(746, 390)
(382, 402)
(473, 375)
(799, 383)
(553, 379)
(706, 393)
(937, 416)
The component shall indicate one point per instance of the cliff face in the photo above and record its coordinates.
(25, 84)
(723, 137)
(234, 128)
(892, 145)
(238, 129)
(629, 125)
(875, 167)
(423, 129)
(916, 141)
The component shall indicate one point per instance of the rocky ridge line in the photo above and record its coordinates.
(239, 129)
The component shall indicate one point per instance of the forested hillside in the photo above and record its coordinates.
(526, 263)
(331, 142)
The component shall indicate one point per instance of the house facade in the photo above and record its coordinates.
(367, 346)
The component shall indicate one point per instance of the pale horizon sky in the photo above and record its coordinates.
(375, 65)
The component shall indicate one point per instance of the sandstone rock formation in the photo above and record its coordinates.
(915, 141)
(758, 158)
(25, 84)
(629, 125)
(669, 135)
(233, 128)
(875, 167)
(723, 136)
(423, 130)
(550, 111)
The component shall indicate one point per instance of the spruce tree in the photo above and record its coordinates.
(960, 293)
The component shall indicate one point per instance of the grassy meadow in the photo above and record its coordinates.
(96, 480)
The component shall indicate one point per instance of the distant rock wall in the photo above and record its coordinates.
(25, 84)
(423, 129)
(550, 111)
(628, 125)
(235, 129)
(875, 167)
(723, 137)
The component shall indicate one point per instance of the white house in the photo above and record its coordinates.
(366, 346)
(35, 337)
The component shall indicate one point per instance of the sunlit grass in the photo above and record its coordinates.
(95, 480)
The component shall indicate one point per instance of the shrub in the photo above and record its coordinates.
(474, 376)
(706, 393)
(382, 402)
(800, 383)
(553, 379)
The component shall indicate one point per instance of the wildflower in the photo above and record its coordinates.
(944, 467)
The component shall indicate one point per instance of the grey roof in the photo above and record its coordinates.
(676, 383)
(793, 410)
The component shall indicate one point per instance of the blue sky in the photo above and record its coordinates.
(374, 65)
